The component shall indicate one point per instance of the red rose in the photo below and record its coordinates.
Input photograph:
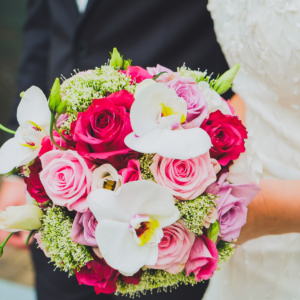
(227, 135)
(100, 275)
(33, 182)
(48, 146)
(137, 74)
(134, 279)
(100, 131)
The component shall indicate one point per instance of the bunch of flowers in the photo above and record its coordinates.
(136, 179)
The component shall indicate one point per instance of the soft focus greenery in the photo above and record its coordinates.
(55, 237)
(145, 162)
(194, 212)
(155, 279)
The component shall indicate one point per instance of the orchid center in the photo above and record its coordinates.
(30, 135)
(145, 230)
(167, 111)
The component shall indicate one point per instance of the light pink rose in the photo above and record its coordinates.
(67, 179)
(158, 69)
(174, 248)
(197, 108)
(203, 259)
(185, 179)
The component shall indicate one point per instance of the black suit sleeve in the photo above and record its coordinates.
(34, 64)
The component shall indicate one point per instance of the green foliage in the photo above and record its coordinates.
(224, 83)
(116, 60)
(62, 107)
(197, 75)
(55, 237)
(194, 212)
(145, 162)
(54, 98)
(226, 250)
(213, 231)
(154, 279)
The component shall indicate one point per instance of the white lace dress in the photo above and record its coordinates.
(264, 37)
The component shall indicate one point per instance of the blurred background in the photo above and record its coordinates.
(16, 271)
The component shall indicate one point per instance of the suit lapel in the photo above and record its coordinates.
(90, 5)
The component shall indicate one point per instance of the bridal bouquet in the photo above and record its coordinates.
(136, 179)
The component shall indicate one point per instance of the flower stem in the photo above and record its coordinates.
(4, 243)
(29, 236)
(51, 133)
(57, 130)
(6, 129)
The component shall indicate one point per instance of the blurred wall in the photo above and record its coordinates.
(12, 16)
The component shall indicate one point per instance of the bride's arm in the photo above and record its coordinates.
(276, 209)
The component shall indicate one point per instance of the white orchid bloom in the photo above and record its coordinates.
(106, 177)
(130, 223)
(33, 116)
(248, 167)
(156, 116)
(213, 99)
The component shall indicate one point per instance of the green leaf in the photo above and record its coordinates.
(22, 94)
(54, 98)
(213, 231)
(157, 75)
(116, 60)
(12, 172)
(62, 107)
(127, 63)
(224, 83)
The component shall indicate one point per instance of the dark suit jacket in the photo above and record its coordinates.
(57, 40)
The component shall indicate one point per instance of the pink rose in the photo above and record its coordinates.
(185, 179)
(174, 248)
(67, 178)
(197, 108)
(47, 145)
(158, 69)
(83, 229)
(203, 259)
(132, 172)
(38, 237)
(137, 74)
(232, 206)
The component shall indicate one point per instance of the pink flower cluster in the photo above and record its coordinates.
(97, 138)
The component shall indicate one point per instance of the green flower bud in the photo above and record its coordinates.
(62, 107)
(116, 60)
(213, 231)
(54, 98)
(22, 94)
(224, 83)
(127, 63)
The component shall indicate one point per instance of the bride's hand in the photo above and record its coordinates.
(275, 210)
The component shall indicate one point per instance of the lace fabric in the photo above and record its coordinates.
(264, 37)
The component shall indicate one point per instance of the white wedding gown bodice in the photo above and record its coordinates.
(264, 37)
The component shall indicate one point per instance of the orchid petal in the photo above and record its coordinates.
(13, 155)
(104, 205)
(153, 200)
(177, 144)
(121, 252)
(34, 107)
(145, 83)
(145, 109)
